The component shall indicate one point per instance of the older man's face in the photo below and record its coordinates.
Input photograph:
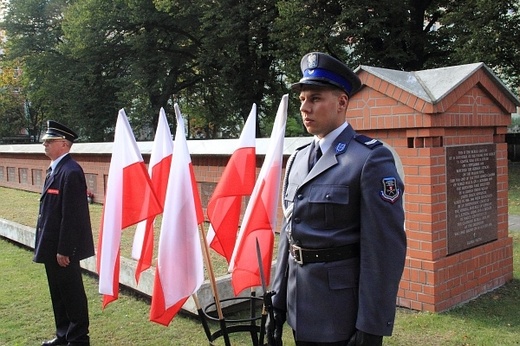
(54, 148)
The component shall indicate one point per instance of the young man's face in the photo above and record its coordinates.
(322, 109)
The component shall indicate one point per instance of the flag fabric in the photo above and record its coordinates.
(179, 272)
(236, 182)
(259, 220)
(129, 199)
(158, 169)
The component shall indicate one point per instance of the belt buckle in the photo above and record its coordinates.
(297, 250)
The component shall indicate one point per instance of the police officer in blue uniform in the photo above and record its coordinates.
(342, 246)
(64, 237)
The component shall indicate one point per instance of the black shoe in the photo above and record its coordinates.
(84, 341)
(54, 342)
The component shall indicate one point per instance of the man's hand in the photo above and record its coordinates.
(275, 328)
(365, 339)
(63, 261)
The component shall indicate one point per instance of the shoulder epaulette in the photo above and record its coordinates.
(370, 143)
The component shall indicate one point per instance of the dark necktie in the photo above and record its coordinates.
(315, 154)
(49, 171)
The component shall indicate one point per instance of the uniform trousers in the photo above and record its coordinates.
(308, 343)
(312, 343)
(69, 302)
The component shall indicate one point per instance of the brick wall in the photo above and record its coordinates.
(475, 112)
(207, 168)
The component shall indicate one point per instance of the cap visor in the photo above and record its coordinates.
(318, 83)
(51, 136)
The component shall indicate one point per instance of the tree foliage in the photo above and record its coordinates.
(83, 60)
(487, 31)
(237, 62)
(11, 100)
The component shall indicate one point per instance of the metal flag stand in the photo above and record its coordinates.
(254, 323)
(231, 325)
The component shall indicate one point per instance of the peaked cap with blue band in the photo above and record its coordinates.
(323, 70)
(55, 130)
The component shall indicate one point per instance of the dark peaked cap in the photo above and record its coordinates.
(323, 70)
(55, 130)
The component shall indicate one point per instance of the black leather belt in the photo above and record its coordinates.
(302, 256)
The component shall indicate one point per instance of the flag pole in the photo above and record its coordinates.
(201, 315)
(213, 282)
(252, 316)
(211, 273)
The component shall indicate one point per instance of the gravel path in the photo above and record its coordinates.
(514, 223)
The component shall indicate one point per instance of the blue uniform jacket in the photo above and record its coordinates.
(63, 224)
(352, 195)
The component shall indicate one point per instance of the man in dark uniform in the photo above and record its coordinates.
(342, 246)
(64, 236)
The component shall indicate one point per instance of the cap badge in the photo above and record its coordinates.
(312, 61)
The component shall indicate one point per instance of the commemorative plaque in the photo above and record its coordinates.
(471, 196)
(37, 177)
(91, 182)
(23, 175)
(11, 174)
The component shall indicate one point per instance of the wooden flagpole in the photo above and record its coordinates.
(202, 319)
(209, 267)
(213, 282)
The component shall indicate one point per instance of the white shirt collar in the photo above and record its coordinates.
(326, 142)
(55, 162)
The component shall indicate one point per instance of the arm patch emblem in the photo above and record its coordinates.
(390, 192)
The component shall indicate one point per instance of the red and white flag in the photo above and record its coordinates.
(259, 220)
(158, 169)
(236, 182)
(180, 270)
(129, 199)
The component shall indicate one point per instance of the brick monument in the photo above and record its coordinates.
(448, 127)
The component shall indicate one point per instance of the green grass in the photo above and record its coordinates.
(25, 311)
(22, 207)
(26, 316)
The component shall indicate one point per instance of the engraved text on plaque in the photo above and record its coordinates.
(471, 196)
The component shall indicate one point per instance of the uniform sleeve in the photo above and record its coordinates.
(75, 215)
(382, 242)
(279, 285)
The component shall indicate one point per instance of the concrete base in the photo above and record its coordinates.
(25, 236)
